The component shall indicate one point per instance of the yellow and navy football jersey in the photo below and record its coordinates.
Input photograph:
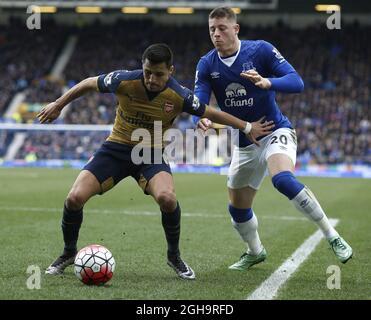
(139, 108)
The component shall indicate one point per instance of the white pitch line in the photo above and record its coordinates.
(269, 288)
(146, 213)
(32, 175)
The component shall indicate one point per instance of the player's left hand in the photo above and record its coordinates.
(257, 79)
(49, 113)
(260, 128)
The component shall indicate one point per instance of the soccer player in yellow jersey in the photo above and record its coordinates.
(144, 96)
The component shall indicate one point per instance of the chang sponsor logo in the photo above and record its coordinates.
(236, 96)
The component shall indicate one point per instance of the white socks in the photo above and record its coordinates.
(306, 202)
(249, 233)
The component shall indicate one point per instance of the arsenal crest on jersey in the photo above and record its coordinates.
(168, 107)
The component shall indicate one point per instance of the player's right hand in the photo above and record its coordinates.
(204, 124)
(49, 113)
(258, 129)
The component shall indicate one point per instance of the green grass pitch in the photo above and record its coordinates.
(128, 223)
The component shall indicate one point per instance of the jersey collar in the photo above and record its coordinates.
(231, 59)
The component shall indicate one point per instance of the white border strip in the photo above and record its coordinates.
(145, 213)
(269, 288)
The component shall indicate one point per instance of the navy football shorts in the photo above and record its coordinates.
(112, 162)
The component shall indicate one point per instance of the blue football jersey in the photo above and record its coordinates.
(239, 96)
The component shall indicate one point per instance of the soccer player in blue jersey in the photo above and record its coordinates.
(244, 76)
(144, 97)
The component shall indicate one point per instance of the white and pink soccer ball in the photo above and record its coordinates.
(94, 264)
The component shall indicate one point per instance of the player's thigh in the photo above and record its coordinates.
(108, 169)
(155, 179)
(247, 168)
(162, 182)
(280, 151)
(161, 188)
(85, 186)
(242, 198)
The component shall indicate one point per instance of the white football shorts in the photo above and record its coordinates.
(249, 164)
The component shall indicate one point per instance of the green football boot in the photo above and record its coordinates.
(247, 260)
(341, 248)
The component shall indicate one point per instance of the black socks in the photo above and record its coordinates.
(71, 224)
(171, 224)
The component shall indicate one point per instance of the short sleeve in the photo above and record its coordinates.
(108, 83)
(202, 82)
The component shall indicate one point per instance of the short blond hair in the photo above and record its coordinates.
(223, 12)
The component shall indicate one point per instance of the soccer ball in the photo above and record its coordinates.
(94, 264)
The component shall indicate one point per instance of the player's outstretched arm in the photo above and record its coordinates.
(252, 130)
(52, 111)
(289, 82)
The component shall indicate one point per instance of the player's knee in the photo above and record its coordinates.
(75, 200)
(167, 200)
(286, 183)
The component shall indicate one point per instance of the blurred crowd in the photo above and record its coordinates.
(332, 116)
(26, 55)
(61, 145)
